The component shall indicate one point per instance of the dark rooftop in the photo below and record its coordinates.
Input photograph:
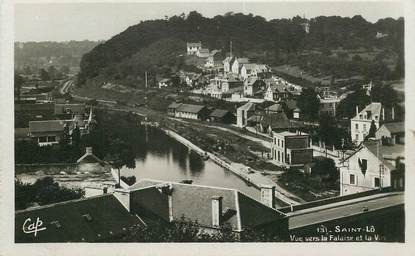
(85, 220)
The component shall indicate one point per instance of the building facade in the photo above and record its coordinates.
(193, 48)
(291, 149)
(360, 124)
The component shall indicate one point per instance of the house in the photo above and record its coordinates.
(236, 65)
(203, 53)
(291, 149)
(276, 91)
(360, 124)
(296, 113)
(193, 48)
(253, 86)
(328, 105)
(222, 116)
(47, 132)
(243, 113)
(92, 219)
(165, 82)
(211, 207)
(391, 133)
(171, 109)
(370, 167)
(227, 64)
(254, 70)
(191, 111)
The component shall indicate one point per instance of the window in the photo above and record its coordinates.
(43, 139)
(51, 138)
(352, 179)
(364, 127)
(357, 126)
(377, 182)
(278, 142)
(401, 182)
(282, 143)
(357, 137)
(278, 155)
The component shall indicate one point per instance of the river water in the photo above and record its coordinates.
(163, 158)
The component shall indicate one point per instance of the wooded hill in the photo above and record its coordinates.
(158, 46)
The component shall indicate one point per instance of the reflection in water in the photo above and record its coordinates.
(161, 157)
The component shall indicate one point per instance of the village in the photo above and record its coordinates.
(285, 140)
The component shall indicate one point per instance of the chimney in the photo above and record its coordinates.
(357, 110)
(383, 114)
(216, 211)
(393, 113)
(167, 190)
(268, 195)
(88, 150)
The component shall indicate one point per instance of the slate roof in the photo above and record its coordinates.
(46, 126)
(386, 152)
(174, 105)
(68, 221)
(190, 108)
(194, 202)
(75, 108)
(396, 127)
(374, 107)
(219, 113)
(276, 121)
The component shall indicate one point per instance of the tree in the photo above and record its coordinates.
(121, 154)
(43, 191)
(372, 130)
(309, 104)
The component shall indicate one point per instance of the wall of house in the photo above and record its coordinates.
(362, 182)
(297, 142)
(299, 156)
(186, 115)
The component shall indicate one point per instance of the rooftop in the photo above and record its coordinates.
(247, 106)
(194, 203)
(74, 108)
(190, 108)
(174, 105)
(46, 126)
(219, 113)
(395, 127)
(91, 219)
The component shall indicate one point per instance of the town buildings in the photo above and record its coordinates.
(372, 167)
(291, 149)
(328, 105)
(47, 132)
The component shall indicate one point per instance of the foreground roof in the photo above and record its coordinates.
(91, 219)
(194, 202)
(395, 127)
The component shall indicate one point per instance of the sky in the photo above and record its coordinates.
(101, 21)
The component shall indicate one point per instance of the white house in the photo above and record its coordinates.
(328, 105)
(360, 124)
(227, 64)
(369, 167)
(243, 113)
(203, 53)
(236, 65)
(193, 48)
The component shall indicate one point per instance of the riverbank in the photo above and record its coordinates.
(246, 173)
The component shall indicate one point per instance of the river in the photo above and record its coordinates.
(163, 158)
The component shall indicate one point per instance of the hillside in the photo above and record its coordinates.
(334, 46)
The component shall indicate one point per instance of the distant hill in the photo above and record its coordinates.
(37, 55)
(157, 46)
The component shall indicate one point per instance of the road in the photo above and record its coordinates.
(329, 212)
